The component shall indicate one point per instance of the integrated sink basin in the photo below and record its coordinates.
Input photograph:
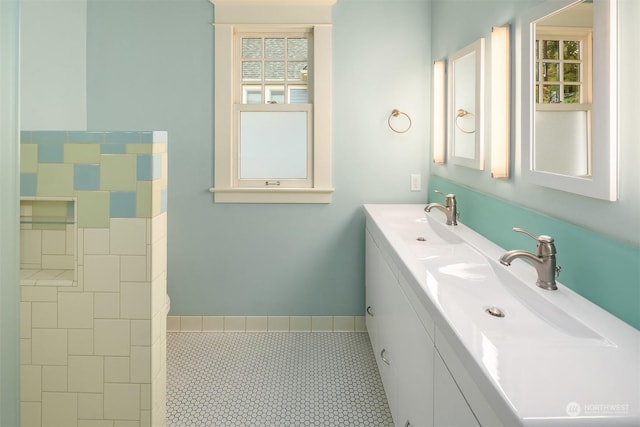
(535, 350)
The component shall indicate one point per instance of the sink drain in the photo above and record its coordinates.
(495, 311)
(421, 239)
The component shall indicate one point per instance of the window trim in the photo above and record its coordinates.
(236, 15)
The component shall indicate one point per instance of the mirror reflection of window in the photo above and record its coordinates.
(562, 91)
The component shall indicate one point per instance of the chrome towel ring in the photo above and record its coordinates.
(397, 113)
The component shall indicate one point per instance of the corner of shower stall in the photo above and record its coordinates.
(93, 220)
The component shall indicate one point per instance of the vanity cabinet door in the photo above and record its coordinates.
(402, 347)
(381, 300)
(450, 406)
(374, 272)
(415, 369)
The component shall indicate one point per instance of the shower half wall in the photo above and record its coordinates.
(93, 278)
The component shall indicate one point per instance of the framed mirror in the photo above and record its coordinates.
(569, 97)
(465, 105)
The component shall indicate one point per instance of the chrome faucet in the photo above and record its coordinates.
(450, 208)
(544, 260)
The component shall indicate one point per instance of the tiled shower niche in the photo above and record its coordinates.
(48, 236)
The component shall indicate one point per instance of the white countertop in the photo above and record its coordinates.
(554, 359)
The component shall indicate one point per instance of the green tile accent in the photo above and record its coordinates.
(584, 269)
(118, 172)
(140, 148)
(82, 153)
(93, 209)
(28, 158)
(143, 199)
(55, 179)
(49, 209)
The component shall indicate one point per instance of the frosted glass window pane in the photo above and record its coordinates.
(273, 145)
(274, 48)
(251, 48)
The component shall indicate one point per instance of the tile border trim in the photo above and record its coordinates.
(266, 324)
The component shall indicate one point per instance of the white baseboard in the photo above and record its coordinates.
(266, 324)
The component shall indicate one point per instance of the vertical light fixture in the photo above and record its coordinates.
(500, 106)
(438, 142)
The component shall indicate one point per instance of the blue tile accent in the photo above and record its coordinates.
(28, 185)
(86, 177)
(146, 136)
(123, 204)
(149, 167)
(163, 200)
(113, 148)
(86, 136)
(49, 136)
(25, 136)
(122, 137)
(50, 153)
(70, 210)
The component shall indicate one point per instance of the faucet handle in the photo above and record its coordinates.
(451, 198)
(541, 239)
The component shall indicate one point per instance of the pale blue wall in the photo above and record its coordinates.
(598, 241)
(150, 67)
(9, 214)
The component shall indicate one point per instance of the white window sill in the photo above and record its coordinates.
(272, 195)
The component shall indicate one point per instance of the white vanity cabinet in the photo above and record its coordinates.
(403, 349)
(450, 406)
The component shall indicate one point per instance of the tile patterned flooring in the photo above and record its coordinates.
(273, 379)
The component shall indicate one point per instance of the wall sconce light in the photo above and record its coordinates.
(500, 106)
(439, 122)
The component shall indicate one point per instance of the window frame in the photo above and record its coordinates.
(236, 16)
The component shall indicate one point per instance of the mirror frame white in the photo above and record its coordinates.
(604, 178)
(476, 48)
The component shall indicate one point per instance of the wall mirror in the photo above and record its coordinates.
(465, 105)
(569, 96)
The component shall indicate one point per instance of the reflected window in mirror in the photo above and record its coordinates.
(562, 52)
(569, 96)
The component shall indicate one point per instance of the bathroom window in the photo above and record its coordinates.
(272, 102)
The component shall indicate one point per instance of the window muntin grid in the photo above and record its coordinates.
(273, 68)
(561, 73)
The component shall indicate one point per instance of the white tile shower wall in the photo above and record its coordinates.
(266, 324)
(94, 354)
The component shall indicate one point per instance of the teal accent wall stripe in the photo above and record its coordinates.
(86, 136)
(113, 148)
(605, 271)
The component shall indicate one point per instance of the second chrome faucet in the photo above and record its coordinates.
(544, 260)
(450, 208)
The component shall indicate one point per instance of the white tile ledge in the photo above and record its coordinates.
(266, 324)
